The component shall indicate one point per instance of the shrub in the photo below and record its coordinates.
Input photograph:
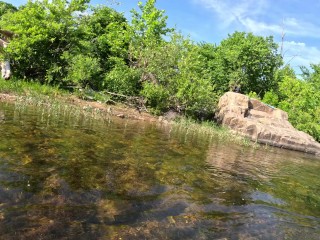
(122, 79)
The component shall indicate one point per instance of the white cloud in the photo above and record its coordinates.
(301, 28)
(291, 22)
(230, 11)
(261, 27)
(252, 15)
(300, 54)
(290, 26)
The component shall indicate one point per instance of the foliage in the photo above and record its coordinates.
(176, 78)
(107, 35)
(271, 98)
(246, 60)
(301, 99)
(46, 30)
(153, 56)
(253, 95)
(24, 88)
(158, 66)
(157, 95)
(83, 70)
(122, 79)
(6, 7)
(150, 25)
(147, 44)
(173, 73)
(312, 77)
(195, 92)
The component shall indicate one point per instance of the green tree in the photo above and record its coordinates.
(180, 79)
(173, 72)
(300, 99)
(107, 32)
(194, 89)
(246, 60)
(147, 33)
(106, 42)
(312, 76)
(150, 25)
(138, 53)
(48, 33)
(122, 79)
(6, 7)
(129, 49)
(159, 69)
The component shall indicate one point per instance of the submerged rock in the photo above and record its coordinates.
(263, 123)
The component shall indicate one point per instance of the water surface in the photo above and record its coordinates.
(70, 176)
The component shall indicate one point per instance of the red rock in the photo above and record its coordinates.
(263, 123)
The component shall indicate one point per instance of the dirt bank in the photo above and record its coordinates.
(118, 110)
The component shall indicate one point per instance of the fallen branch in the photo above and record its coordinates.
(117, 94)
(135, 101)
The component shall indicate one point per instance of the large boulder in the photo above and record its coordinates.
(263, 123)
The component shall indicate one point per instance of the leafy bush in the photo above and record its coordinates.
(6, 7)
(83, 70)
(246, 60)
(301, 100)
(253, 95)
(158, 97)
(46, 30)
(122, 79)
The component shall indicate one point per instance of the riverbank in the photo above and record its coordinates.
(37, 94)
(118, 109)
(29, 93)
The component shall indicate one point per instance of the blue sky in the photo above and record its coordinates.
(212, 20)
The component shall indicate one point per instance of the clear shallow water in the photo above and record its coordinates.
(73, 177)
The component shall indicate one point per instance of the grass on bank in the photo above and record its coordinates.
(39, 93)
(24, 88)
(211, 130)
(55, 99)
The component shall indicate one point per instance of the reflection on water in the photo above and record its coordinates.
(73, 177)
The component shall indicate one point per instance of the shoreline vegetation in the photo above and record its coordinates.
(78, 51)
(23, 93)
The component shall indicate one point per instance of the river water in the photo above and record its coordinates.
(70, 176)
